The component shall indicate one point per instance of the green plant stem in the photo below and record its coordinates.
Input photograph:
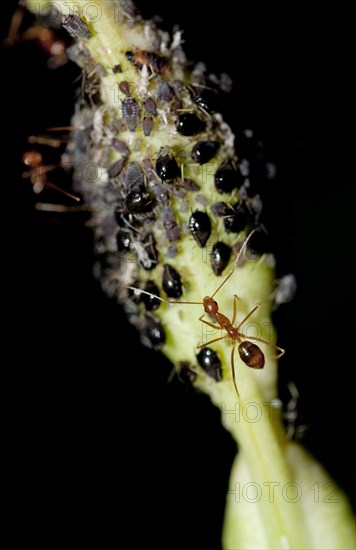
(267, 460)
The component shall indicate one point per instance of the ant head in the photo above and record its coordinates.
(32, 159)
(210, 306)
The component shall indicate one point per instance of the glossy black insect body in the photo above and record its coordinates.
(166, 165)
(138, 202)
(171, 282)
(220, 256)
(208, 100)
(130, 113)
(239, 219)
(200, 227)
(153, 332)
(150, 301)
(203, 151)
(227, 178)
(189, 124)
(210, 363)
(185, 373)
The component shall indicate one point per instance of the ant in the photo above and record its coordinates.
(38, 174)
(249, 352)
(47, 39)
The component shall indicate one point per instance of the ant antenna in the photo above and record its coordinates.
(238, 258)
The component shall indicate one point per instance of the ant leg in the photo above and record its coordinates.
(210, 342)
(248, 316)
(235, 310)
(233, 369)
(281, 350)
(209, 324)
(178, 302)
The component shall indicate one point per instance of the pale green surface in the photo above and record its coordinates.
(265, 457)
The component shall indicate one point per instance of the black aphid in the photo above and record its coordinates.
(186, 373)
(210, 363)
(171, 281)
(149, 300)
(227, 178)
(203, 151)
(200, 227)
(208, 100)
(189, 124)
(166, 165)
(219, 257)
(239, 219)
(153, 333)
(138, 202)
(260, 242)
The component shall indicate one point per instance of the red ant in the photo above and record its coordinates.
(249, 352)
(38, 174)
(46, 38)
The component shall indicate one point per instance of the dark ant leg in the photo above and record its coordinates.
(209, 324)
(233, 368)
(247, 316)
(235, 310)
(281, 350)
(210, 342)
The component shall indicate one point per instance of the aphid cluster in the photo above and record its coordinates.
(150, 196)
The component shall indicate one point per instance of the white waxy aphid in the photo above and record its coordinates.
(285, 290)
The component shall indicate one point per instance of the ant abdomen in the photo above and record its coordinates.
(251, 355)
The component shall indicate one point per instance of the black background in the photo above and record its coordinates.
(92, 423)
